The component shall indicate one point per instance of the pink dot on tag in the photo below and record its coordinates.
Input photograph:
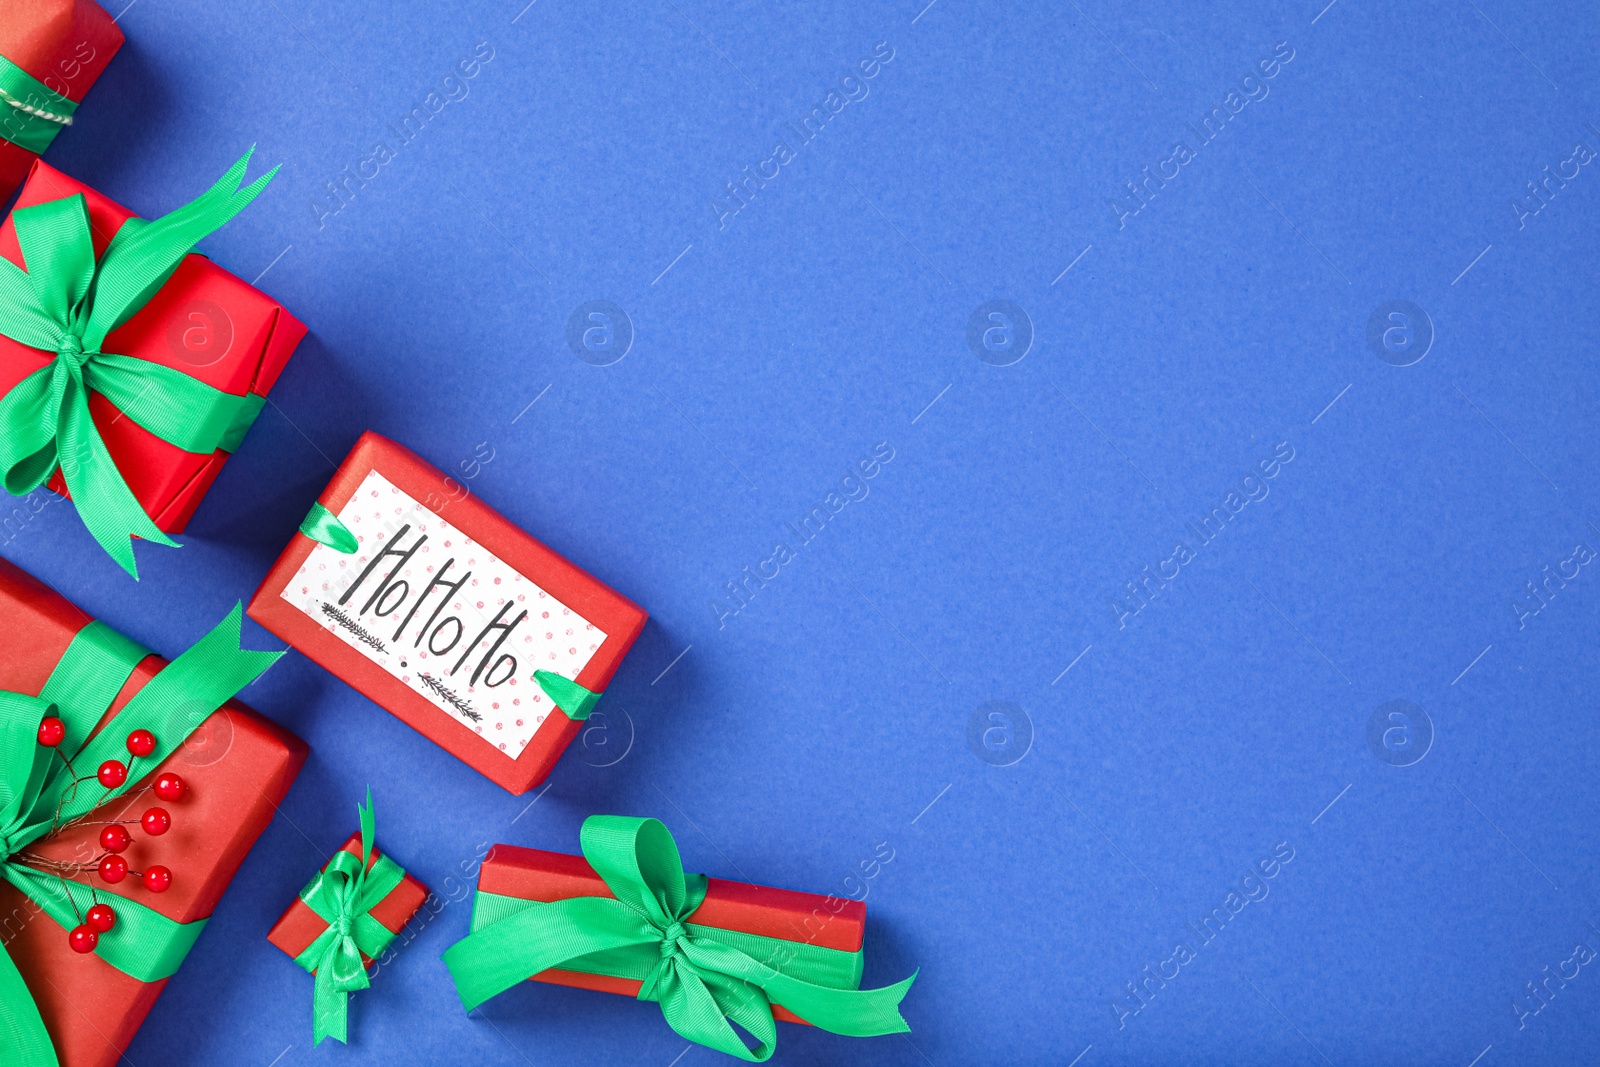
(546, 615)
(502, 746)
(497, 581)
(549, 637)
(519, 722)
(480, 603)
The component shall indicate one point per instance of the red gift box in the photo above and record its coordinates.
(534, 874)
(299, 925)
(237, 766)
(65, 44)
(204, 322)
(522, 607)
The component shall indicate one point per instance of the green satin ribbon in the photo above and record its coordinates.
(33, 112)
(37, 792)
(324, 527)
(570, 698)
(66, 302)
(343, 893)
(704, 979)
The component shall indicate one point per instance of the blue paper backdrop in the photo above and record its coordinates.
(1186, 321)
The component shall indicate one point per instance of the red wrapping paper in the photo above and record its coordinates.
(442, 498)
(534, 874)
(65, 44)
(204, 322)
(237, 766)
(299, 925)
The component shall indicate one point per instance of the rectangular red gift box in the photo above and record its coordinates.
(204, 322)
(237, 767)
(64, 44)
(436, 568)
(299, 925)
(534, 874)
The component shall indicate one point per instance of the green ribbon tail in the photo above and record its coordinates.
(24, 1042)
(105, 503)
(572, 699)
(324, 527)
(343, 894)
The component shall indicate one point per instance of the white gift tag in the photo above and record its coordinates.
(441, 613)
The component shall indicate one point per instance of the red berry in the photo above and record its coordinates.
(52, 731)
(156, 822)
(113, 869)
(83, 939)
(169, 786)
(141, 742)
(100, 918)
(157, 879)
(112, 773)
(115, 839)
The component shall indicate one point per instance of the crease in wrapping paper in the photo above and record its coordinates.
(204, 322)
(237, 765)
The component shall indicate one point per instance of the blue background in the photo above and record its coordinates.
(827, 722)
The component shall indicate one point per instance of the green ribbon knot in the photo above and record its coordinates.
(705, 979)
(343, 893)
(66, 302)
(38, 794)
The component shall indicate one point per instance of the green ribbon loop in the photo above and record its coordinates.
(343, 893)
(324, 527)
(38, 793)
(33, 113)
(570, 698)
(705, 979)
(67, 303)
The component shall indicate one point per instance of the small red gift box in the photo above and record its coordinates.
(203, 322)
(444, 612)
(237, 767)
(823, 921)
(299, 925)
(64, 44)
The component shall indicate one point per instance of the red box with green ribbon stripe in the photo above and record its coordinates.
(162, 358)
(299, 926)
(74, 693)
(51, 52)
(346, 916)
(835, 925)
(406, 585)
(625, 917)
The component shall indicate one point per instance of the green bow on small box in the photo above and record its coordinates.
(343, 893)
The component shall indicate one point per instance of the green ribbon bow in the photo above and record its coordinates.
(34, 113)
(66, 303)
(343, 893)
(704, 978)
(37, 792)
